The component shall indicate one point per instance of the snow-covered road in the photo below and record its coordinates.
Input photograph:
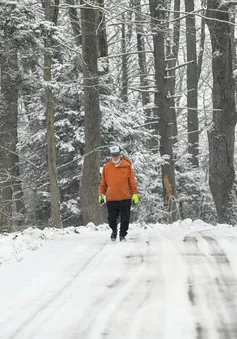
(163, 283)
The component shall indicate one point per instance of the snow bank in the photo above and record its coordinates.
(14, 246)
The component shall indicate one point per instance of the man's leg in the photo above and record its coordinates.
(113, 213)
(125, 207)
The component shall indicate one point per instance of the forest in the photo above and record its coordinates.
(156, 77)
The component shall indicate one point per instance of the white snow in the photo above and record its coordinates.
(167, 282)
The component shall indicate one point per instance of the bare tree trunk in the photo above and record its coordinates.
(222, 134)
(11, 95)
(75, 23)
(161, 100)
(51, 13)
(193, 129)
(233, 44)
(144, 83)
(201, 44)
(171, 62)
(233, 38)
(8, 108)
(101, 28)
(141, 56)
(102, 43)
(12, 197)
(90, 178)
(124, 91)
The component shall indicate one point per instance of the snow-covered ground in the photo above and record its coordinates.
(166, 282)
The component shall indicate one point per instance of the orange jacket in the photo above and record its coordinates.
(118, 183)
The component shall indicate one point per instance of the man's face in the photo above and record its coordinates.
(115, 157)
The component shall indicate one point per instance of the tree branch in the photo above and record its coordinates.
(199, 109)
(178, 66)
(229, 3)
(20, 156)
(127, 53)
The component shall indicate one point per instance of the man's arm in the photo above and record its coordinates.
(132, 182)
(103, 185)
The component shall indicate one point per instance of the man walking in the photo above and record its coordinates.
(119, 186)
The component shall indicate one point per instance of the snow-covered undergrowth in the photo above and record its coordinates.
(14, 246)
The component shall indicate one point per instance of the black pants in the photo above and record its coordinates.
(119, 208)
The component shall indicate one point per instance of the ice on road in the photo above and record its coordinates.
(163, 283)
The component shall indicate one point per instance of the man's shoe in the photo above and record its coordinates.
(113, 236)
(122, 238)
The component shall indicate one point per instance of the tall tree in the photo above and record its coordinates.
(11, 193)
(102, 35)
(172, 59)
(74, 19)
(8, 117)
(10, 89)
(201, 43)
(90, 176)
(51, 15)
(144, 74)
(222, 134)
(161, 100)
(193, 130)
(141, 55)
(124, 90)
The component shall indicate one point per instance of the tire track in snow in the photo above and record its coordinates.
(195, 260)
(227, 285)
(179, 321)
(205, 293)
(142, 302)
(58, 292)
(127, 305)
(113, 288)
(201, 332)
